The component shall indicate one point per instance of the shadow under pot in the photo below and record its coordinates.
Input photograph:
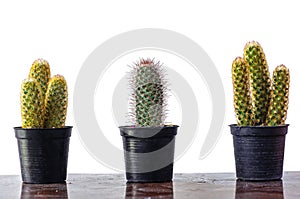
(149, 153)
(259, 151)
(43, 154)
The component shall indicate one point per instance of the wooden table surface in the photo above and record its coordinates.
(219, 186)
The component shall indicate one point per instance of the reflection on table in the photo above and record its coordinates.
(149, 190)
(256, 190)
(44, 191)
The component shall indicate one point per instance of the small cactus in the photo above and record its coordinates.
(56, 102)
(280, 92)
(44, 101)
(32, 103)
(259, 81)
(148, 100)
(40, 71)
(253, 89)
(242, 100)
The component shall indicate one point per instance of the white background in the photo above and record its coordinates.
(66, 32)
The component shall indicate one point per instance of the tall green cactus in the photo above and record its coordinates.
(32, 103)
(148, 93)
(44, 101)
(268, 100)
(259, 81)
(56, 102)
(242, 101)
(280, 92)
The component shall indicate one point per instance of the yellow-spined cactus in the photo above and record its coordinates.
(44, 101)
(40, 71)
(32, 104)
(267, 100)
(280, 92)
(242, 100)
(56, 102)
(259, 81)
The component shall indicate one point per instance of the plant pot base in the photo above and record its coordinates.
(162, 175)
(260, 179)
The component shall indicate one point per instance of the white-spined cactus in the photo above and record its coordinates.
(148, 96)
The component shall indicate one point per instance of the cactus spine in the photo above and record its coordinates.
(280, 92)
(44, 101)
(148, 100)
(268, 100)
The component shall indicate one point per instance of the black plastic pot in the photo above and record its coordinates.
(149, 153)
(43, 154)
(259, 151)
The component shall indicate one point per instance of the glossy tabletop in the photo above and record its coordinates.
(190, 186)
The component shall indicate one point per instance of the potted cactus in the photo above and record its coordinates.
(261, 108)
(148, 143)
(43, 139)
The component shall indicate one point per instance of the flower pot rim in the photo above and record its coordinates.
(259, 131)
(129, 127)
(19, 128)
(148, 132)
(43, 133)
(259, 127)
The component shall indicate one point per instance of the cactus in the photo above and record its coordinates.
(242, 100)
(268, 100)
(44, 101)
(56, 102)
(280, 92)
(259, 81)
(148, 100)
(40, 71)
(32, 103)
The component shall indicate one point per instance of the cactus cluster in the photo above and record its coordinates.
(258, 100)
(44, 100)
(148, 93)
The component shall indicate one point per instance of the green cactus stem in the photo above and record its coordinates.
(279, 96)
(259, 81)
(40, 71)
(242, 99)
(148, 93)
(32, 104)
(56, 102)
